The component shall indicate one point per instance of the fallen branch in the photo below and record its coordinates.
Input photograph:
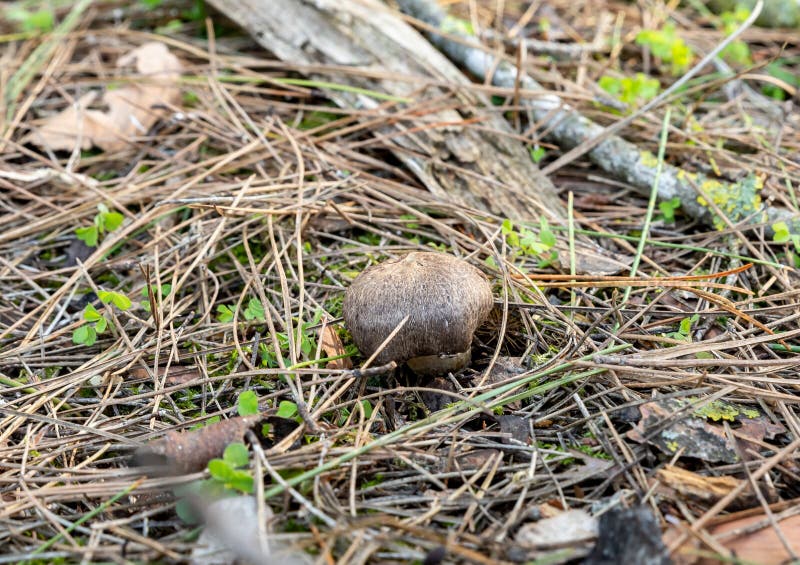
(484, 168)
(740, 201)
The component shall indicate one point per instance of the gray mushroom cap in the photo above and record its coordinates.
(445, 298)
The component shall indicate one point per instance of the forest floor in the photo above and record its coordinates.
(175, 281)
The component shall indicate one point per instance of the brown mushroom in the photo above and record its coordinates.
(445, 299)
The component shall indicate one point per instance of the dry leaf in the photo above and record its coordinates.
(763, 545)
(760, 546)
(517, 428)
(176, 374)
(333, 347)
(190, 451)
(132, 109)
(678, 483)
(566, 529)
(757, 429)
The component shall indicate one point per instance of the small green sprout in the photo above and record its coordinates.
(365, 404)
(224, 314)
(737, 52)
(164, 291)
(668, 208)
(529, 243)
(411, 222)
(452, 24)
(667, 46)
(537, 153)
(782, 233)
(87, 333)
(230, 471)
(634, 91)
(31, 21)
(248, 403)
(287, 409)
(684, 332)
(778, 70)
(254, 311)
(96, 323)
(119, 300)
(104, 221)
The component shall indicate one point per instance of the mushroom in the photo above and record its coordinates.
(445, 299)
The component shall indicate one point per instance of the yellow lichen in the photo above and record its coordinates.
(718, 410)
(648, 159)
(735, 200)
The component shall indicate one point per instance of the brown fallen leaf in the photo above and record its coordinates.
(756, 429)
(745, 539)
(333, 347)
(132, 109)
(190, 451)
(763, 545)
(176, 374)
(678, 483)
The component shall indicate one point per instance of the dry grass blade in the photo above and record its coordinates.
(186, 286)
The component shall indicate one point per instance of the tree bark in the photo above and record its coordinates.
(485, 168)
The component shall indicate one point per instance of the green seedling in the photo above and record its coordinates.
(737, 52)
(225, 314)
(525, 242)
(684, 332)
(119, 300)
(96, 323)
(667, 46)
(229, 477)
(231, 470)
(248, 403)
(668, 208)
(634, 91)
(254, 311)
(207, 422)
(287, 409)
(164, 290)
(104, 221)
(410, 222)
(196, 13)
(782, 234)
(451, 24)
(537, 153)
(31, 21)
(345, 413)
(777, 69)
